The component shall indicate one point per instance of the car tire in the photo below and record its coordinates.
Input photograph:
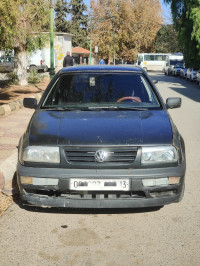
(32, 68)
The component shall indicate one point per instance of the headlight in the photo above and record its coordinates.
(41, 154)
(162, 154)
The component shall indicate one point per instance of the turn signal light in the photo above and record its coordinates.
(26, 180)
(174, 180)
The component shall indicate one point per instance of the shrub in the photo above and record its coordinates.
(34, 77)
(12, 78)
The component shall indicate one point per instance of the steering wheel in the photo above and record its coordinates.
(136, 99)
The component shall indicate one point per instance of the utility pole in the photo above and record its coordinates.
(90, 62)
(52, 69)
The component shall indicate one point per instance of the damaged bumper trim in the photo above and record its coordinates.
(45, 201)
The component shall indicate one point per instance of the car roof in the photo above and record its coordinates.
(103, 68)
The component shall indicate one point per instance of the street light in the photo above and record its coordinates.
(91, 28)
(52, 69)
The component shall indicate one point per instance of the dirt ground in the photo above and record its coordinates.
(10, 93)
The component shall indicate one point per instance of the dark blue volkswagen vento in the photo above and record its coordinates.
(101, 137)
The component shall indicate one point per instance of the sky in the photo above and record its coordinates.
(165, 7)
(167, 12)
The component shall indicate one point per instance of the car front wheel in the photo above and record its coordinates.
(33, 69)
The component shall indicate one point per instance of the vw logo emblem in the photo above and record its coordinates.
(100, 156)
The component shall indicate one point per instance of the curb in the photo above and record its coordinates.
(7, 170)
(8, 166)
(6, 109)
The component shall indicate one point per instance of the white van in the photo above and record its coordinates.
(171, 61)
(151, 61)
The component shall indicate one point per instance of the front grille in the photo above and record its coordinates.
(115, 156)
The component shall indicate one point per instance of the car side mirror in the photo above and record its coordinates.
(30, 103)
(172, 103)
(155, 81)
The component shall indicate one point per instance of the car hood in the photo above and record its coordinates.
(99, 128)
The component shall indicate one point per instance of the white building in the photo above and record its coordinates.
(40, 59)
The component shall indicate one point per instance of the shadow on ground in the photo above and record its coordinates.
(181, 86)
(10, 92)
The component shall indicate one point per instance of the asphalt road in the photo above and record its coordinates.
(169, 236)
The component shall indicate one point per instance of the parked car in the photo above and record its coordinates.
(101, 137)
(198, 77)
(171, 61)
(183, 72)
(191, 74)
(39, 60)
(7, 64)
(176, 69)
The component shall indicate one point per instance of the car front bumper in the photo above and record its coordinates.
(138, 195)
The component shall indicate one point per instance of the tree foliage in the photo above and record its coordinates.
(166, 40)
(71, 17)
(127, 26)
(186, 16)
(78, 23)
(21, 23)
(61, 11)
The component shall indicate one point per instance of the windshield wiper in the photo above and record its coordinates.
(116, 108)
(56, 108)
(95, 108)
(132, 108)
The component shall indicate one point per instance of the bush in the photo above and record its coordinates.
(34, 77)
(12, 78)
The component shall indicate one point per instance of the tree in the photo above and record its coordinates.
(132, 26)
(22, 21)
(186, 16)
(71, 18)
(78, 23)
(61, 11)
(166, 40)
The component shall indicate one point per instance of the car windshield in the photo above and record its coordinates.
(174, 62)
(101, 90)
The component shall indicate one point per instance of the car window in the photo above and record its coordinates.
(159, 58)
(149, 57)
(87, 89)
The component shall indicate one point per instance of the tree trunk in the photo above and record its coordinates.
(21, 66)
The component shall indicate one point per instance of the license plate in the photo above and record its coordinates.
(99, 184)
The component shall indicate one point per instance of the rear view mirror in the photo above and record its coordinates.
(172, 103)
(30, 103)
